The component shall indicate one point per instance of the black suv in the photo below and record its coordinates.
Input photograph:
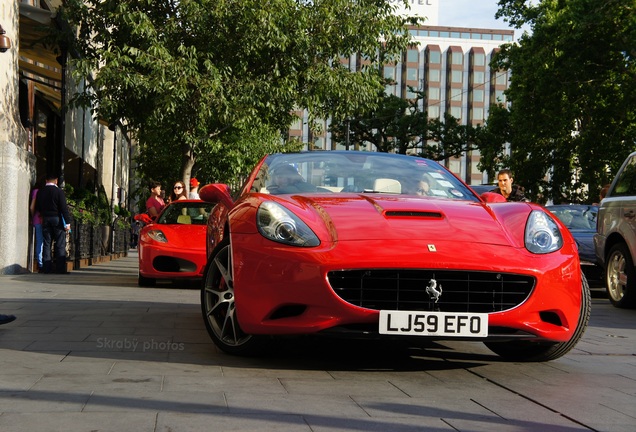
(615, 238)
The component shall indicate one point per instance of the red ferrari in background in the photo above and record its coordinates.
(173, 246)
(380, 245)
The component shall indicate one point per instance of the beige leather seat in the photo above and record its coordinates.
(387, 185)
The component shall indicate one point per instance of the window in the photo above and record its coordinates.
(457, 58)
(433, 111)
(433, 93)
(297, 124)
(456, 112)
(411, 74)
(501, 78)
(389, 72)
(478, 78)
(626, 182)
(412, 56)
(319, 143)
(434, 57)
(499, 96)
(456, 76)
(478, 95)
(456, 94)
(454, 165)
(478, 114)
(479, 59)
(434, 75)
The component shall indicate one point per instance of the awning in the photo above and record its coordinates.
(37, 60)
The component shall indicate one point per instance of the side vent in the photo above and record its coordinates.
(550, 317)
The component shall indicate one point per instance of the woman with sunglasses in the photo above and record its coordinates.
(178, 192)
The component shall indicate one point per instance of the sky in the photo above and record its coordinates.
(472, 14)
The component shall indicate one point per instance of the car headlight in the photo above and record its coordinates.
(542, 233)
(277, 223)
(157, 235)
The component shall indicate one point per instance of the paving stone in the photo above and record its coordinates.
(92, 351)
(65, 422)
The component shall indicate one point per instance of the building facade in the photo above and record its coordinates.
(451, 66)
(38, 135)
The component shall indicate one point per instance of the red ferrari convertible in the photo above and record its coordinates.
(173, 246)
(380, 245)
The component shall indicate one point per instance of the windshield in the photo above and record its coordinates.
(576, 217)
(357, 172)
(186, 213)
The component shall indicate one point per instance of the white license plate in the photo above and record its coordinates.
(447, 324)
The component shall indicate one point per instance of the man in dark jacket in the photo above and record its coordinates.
(509, 191)
(51, 203)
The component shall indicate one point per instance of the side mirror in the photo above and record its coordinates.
(492, 197)
(216, 192)
(143, 217)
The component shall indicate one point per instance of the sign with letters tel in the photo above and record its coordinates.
(422, 8)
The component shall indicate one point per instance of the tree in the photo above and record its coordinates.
(572, 94)
(194, 78)
(396, 124)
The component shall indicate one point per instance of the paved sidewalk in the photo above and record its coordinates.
(92, 351)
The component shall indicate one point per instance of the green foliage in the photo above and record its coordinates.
(195, 80)
(122, 221)
(87, 207)
(397, 125)
(572, 119)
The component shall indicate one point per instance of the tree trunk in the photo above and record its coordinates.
(187, 163)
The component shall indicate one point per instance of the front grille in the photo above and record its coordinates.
(461, 291)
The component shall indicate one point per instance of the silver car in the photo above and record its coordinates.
(615, 238)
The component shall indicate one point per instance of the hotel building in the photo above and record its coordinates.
(451, 65)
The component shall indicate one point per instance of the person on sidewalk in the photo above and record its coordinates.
(155, 203)
(36, 219)
(51, 203)
(6, 319)
(178, 192)
(194, 189)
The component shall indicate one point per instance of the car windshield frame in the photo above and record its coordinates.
(357, 172)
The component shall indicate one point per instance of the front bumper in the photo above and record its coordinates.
(160, 262)
(285, 290)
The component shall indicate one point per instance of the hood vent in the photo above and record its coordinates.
(416, 214)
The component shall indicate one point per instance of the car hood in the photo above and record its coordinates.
(181, 236)
(382, 217)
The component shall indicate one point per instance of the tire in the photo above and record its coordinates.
(620, 277)
(143, 281)
(529, 351)
(218, 307)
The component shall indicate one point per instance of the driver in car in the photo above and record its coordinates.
(286, 179)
